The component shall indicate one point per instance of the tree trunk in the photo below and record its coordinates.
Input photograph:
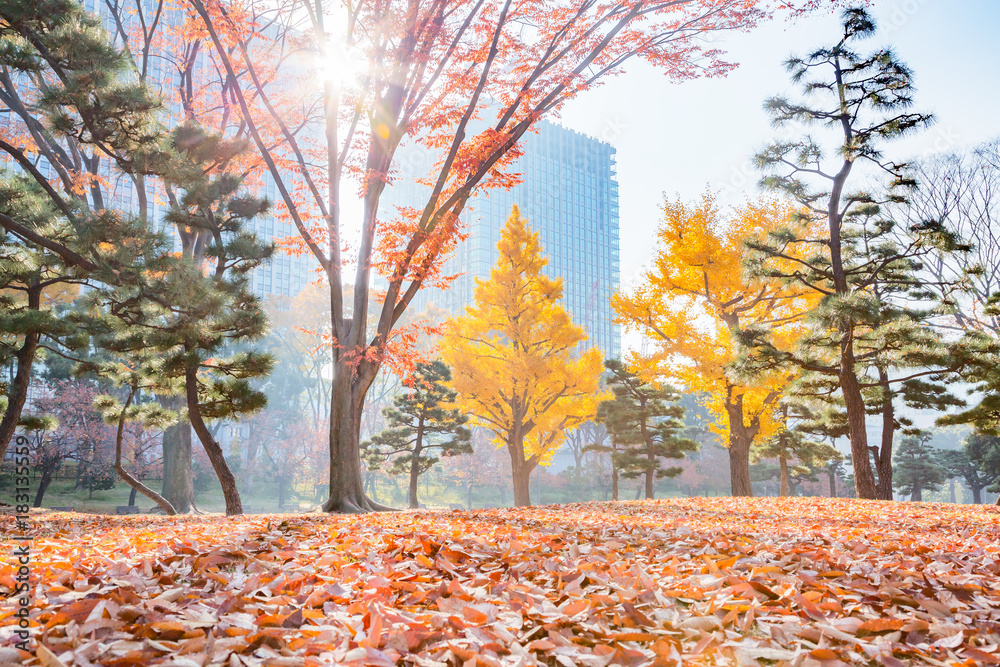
(538, 485)
(883, 456)
(864, 479)
(229, 491)
(522, 487)
(977, 495)
(953, 499)
(520, 469)
(832, 475)
(647, 438)
(124, 474)
(614, 481)
(17, 393)
(251, 464)
(178, 476)
(131, 496)
(784, 491)
(740, 439)
(346, 480)
(415, 466)
(43, 485)
(739, 461)
(282, 482)
(916, 494)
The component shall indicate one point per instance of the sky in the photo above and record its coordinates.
(683, 138)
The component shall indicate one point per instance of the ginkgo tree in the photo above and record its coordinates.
(693, 299)
(516, 359)
(329, 90)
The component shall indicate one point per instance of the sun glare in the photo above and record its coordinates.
(341, 64)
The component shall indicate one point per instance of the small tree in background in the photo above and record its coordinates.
(420, 422)
(983, 453)
(918, 468)
(606, 445)
(644, 421)
(486, 467)
(791, 444)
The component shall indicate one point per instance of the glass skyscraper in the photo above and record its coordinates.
(286, 273)
(569, 194)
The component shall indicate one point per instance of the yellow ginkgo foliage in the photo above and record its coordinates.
(694, 299)
(515, 357)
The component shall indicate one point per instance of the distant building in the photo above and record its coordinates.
(285, 274)
(569, 195)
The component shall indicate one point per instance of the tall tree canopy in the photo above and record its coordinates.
(516, 359)
(78, 135)
(863, 329)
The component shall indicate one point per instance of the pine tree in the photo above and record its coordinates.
(200, 315)
(515, 357)
(960, 465)
(68, 103)
(917, 467)
(644, 421)
(791, 444)
(983, 452)
(859, 332)
(420, 422)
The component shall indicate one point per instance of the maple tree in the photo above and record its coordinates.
(460, 77)
(64, 427)
(515, 358)
(695, 299)
(863, 329)
(643, 420)
(422, 426)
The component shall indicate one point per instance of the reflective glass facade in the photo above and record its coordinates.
(569, 194)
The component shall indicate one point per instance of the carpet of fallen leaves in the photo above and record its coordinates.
(718, 581)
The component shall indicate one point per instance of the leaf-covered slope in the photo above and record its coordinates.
(706, 581)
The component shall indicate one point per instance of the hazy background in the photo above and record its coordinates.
(682, 138)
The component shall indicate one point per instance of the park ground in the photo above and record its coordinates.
(716, 581)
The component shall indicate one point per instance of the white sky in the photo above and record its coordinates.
(682, 138)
